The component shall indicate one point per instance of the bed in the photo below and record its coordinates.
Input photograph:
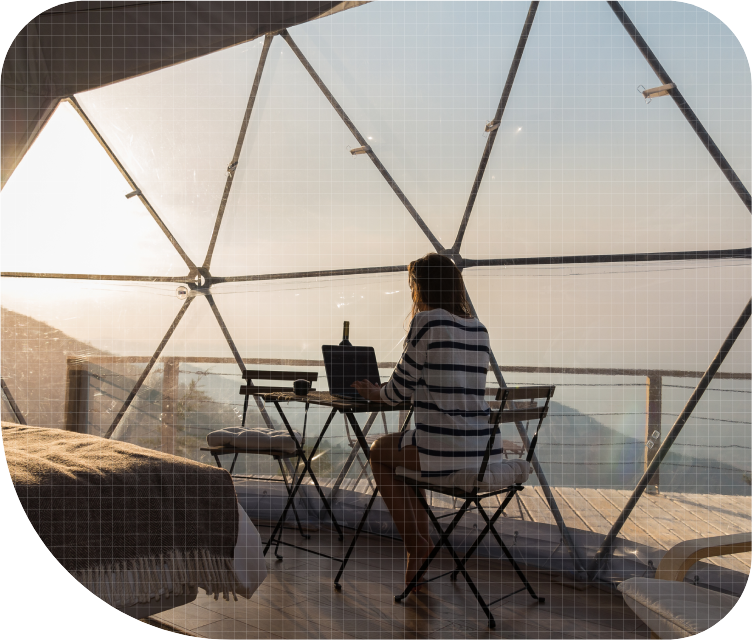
(142, 530)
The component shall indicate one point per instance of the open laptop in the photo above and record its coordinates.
(346, 364)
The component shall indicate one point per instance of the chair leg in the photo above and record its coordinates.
(507, 553)
(443, 539)
(483, 533)
(444, 534)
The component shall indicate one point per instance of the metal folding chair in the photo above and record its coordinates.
(503, 478)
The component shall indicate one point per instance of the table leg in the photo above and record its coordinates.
(306, 468)
(353, 454)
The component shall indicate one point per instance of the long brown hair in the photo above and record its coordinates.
(437, 283)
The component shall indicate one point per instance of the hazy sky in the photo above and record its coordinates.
(581, 165)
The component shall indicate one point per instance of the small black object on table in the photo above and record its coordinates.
(349, 409)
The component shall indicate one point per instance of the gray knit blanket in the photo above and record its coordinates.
(129, 523)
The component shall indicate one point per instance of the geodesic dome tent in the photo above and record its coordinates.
(167, 231)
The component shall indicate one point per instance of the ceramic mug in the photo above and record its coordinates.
(301, 387)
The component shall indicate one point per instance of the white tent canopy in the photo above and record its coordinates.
(79, 46)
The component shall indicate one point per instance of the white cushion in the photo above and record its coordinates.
(498, 476)
(675, 609)
(253, 439)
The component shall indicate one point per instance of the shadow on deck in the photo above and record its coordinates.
(298, 600)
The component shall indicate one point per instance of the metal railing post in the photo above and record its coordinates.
(170, 375)
(653, 413)
(77, 395)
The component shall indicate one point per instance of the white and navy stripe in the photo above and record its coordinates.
(443, 371)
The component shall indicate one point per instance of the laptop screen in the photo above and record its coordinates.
(346, 364)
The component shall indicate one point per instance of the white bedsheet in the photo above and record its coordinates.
(249, 564)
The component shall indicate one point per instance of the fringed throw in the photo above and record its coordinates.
(129, 523)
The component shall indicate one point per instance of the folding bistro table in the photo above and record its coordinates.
(338, 405)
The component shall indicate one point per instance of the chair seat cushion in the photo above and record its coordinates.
(675, 609)
(498, 476)
(253, 439)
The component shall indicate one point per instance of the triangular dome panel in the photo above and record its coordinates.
(567, 177)
(65, 211)
(175, 131)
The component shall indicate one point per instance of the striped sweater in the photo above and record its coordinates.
(443, 370)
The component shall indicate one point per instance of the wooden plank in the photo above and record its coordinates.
(564, 624)
(571, 519)
(522, 415)
(255, 374)
(536, 506)
(272, 621)
(742, 505)
(351, 623)
(518, 631)
(609, 506)
(697, 518)
(229, 629)
(591, 516)
(255, 390)
(714, 509)
(532, 392)
(189, 616)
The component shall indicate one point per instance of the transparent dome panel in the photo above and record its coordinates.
(175, 131)
(65, 211)
(582, 165)
(105, 330)
(300, 201)
(420, 80)
(292, 319)
(672, 315)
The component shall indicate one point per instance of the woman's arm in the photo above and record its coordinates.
(409, 369)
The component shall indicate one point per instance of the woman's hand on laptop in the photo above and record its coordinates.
(368, 390)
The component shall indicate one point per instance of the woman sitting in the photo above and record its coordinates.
(443, 371)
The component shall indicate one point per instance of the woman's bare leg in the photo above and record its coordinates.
(421, 518)
(409, 517)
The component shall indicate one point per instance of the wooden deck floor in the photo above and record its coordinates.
(659, 521)
(298, 600)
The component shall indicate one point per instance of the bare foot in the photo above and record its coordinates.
(415, 562)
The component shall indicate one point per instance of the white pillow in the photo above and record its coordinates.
(675, 609)
(253, 439)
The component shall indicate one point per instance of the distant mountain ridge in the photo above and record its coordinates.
(576, 450)
(33, 365)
